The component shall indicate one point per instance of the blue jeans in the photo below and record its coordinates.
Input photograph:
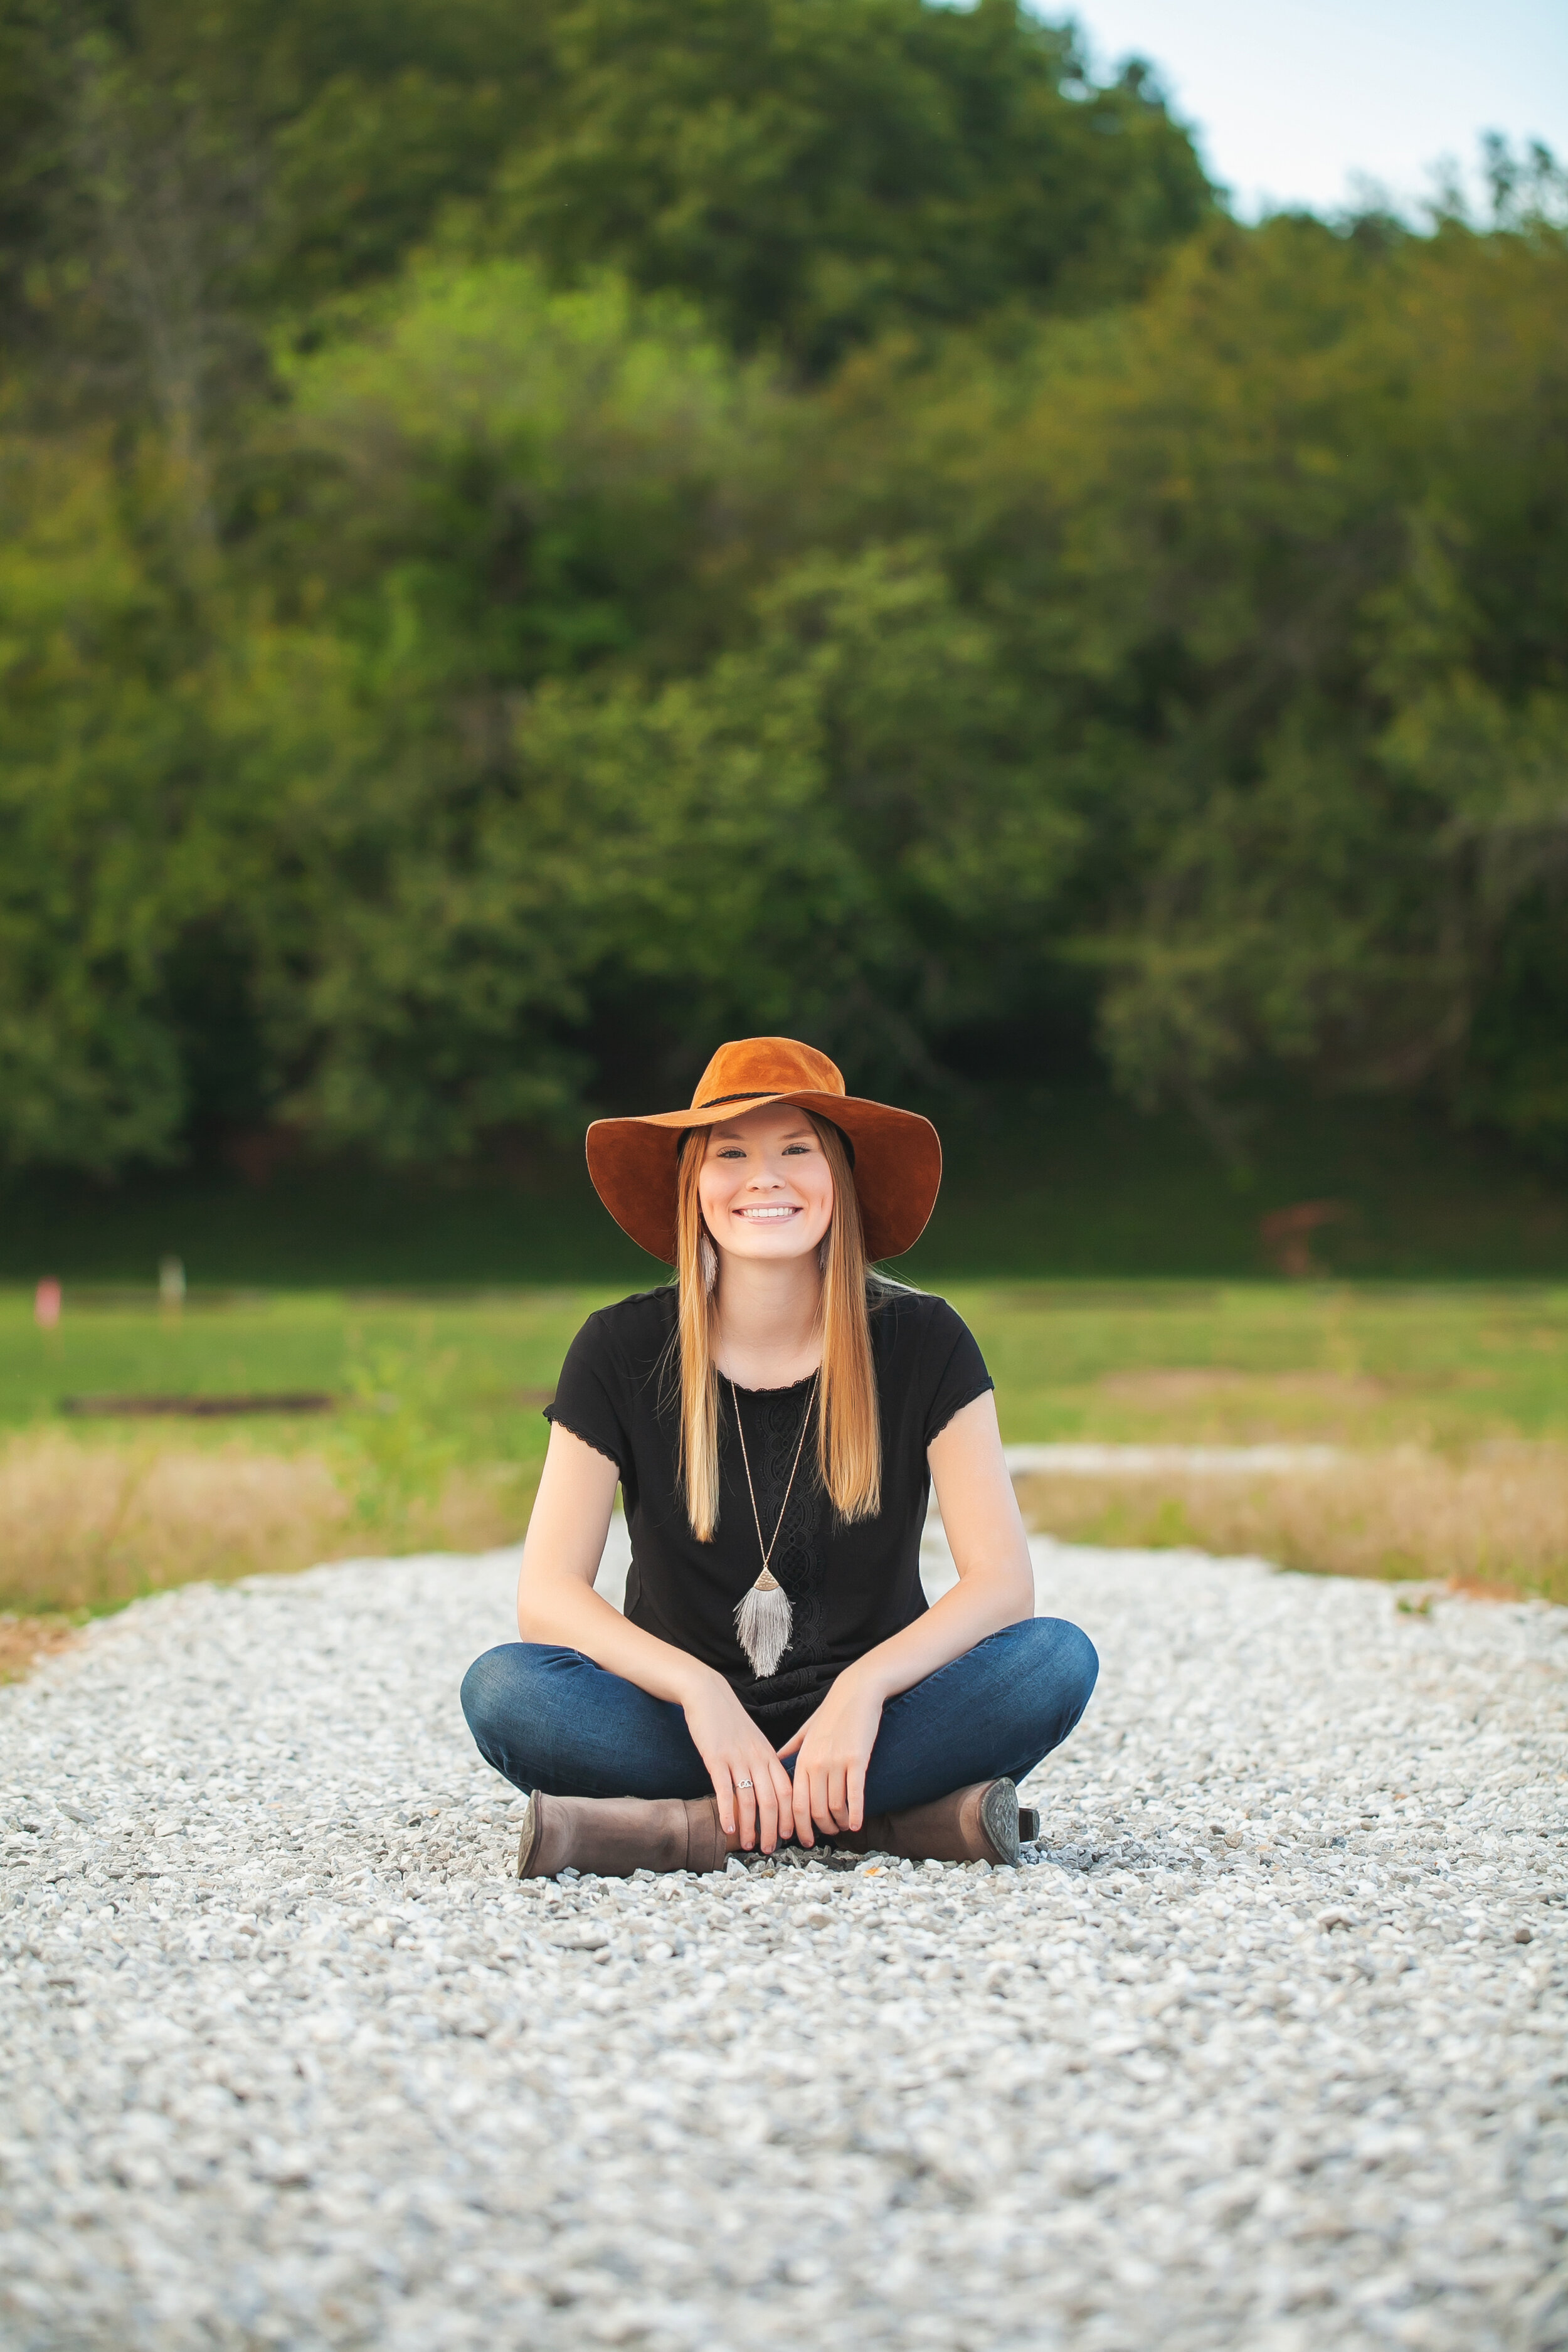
(549, 1718)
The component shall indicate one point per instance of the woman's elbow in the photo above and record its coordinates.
(537, 1618)
(1008, 1589)
(1015, 1587)
(550, 1603)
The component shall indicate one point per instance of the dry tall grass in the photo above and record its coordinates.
(1498, 1520)
(83, 1526)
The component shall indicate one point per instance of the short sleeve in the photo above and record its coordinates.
(585, 1397)
(955, 1369)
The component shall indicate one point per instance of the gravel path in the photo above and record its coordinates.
(1265, 2051)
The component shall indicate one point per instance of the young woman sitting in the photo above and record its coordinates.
(775, 1420)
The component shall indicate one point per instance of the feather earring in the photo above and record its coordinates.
(707, 1262)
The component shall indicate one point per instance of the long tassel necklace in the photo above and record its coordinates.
(762, 1619)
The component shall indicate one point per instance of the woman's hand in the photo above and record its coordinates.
(751, 1784)
(831, 1751)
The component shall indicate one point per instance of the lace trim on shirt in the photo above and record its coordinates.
(984, 1389)
(559, 1421)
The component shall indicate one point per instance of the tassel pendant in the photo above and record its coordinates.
(764, 1619)
(764, 1623)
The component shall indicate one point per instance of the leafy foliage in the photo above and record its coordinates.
(815, 172)
(530, 536)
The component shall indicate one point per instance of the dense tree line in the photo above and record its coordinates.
(533, 533)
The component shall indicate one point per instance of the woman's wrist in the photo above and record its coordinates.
(863, 1680)
(698, 1682)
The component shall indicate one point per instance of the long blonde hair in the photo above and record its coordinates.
(848, 1421)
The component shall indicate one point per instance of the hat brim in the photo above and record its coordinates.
(898, 1166)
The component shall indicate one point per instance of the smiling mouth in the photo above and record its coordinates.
(767, 1216)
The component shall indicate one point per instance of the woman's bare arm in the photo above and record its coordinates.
(990, 1551)
(983, 1523)
(995, 1587)
(555, 1597)
(556, 1603)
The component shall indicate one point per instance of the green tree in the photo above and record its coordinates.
(526, 526)
(1281, 550)
(565, 796)
(100, 734)
(816, 172)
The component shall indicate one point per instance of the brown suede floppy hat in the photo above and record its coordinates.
(897, 1156)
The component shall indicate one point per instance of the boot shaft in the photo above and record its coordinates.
(614, 1836)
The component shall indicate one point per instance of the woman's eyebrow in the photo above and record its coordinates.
(790, 1134)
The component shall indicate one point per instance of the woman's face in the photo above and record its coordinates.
(766, 1188)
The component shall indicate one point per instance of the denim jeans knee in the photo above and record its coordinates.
(1075, 1664)
(1053, 1667)
(488, 1685)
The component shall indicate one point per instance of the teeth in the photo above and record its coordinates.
(772, 1215)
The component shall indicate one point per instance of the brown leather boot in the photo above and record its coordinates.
(616, 1835)
(975, 1825)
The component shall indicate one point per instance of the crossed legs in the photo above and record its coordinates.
(551, 1720)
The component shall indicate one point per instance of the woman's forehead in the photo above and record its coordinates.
(767, 1124)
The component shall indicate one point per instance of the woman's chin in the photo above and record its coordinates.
(782, 1243)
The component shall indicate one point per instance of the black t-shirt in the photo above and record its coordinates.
(849, 1587)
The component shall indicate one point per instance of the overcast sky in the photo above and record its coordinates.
(1293, 99)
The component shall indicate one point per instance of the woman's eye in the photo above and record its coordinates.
(797, 1150)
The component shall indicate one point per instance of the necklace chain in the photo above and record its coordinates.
(767, 1550)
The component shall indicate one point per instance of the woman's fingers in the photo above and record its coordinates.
(791, 1747)
(767, 1811)
(777, 1807)
(783, 1787)
(724, 1789)
(746, 1791)
(832, 1797)
(756, 1796)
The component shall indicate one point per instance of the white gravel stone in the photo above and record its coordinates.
(1264, 2050)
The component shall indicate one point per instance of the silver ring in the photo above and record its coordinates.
(743, 1784)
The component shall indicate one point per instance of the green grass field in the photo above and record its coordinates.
(1452, 1400)
(1367, 1365)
